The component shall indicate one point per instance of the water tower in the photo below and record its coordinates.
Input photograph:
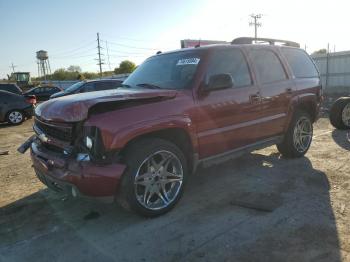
(43, 63)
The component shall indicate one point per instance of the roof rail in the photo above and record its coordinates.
(250, 40)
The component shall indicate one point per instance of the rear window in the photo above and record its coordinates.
(300, 62)
(268, 66)
(10, 88)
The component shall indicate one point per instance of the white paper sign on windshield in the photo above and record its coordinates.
(188, 61)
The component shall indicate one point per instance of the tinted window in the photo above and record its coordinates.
(268, 67)
(10, 88)
(105, 85)
(231, 62)
(74, 87)
(300, 63)
(88, 87)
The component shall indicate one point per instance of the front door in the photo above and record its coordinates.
(227, 118)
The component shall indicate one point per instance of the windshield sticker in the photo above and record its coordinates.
(188, 61)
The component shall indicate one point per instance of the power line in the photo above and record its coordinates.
(255, 23)
(109, 63)
(135, 47)
(74, 49)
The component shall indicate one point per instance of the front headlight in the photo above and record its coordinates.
(88, 142)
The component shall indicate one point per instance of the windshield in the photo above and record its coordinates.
(74, 87)
(169, 71)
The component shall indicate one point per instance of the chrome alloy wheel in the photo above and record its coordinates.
(158, 180)
(302, 135)
(15, 117)
(345, 116)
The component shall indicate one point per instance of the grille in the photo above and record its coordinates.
(60, 132)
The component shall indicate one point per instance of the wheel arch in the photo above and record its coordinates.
(176, 135)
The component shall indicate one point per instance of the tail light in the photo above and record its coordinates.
(31, 100)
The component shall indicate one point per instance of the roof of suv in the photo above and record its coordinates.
(242, 42)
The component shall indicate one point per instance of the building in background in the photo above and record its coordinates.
(186, 43)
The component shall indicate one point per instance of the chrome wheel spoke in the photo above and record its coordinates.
(302, 134)
(346, 115)
(158, 180)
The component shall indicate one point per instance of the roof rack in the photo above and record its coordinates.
(251, 40)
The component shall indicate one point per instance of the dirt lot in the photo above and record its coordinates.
(259, 207)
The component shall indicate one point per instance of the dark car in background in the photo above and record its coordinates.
(15, 108)
(89, 86)
(13, 88)
(43, 93)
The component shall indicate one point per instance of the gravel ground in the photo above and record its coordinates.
(260, 207)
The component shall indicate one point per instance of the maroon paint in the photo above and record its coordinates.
(215, 121)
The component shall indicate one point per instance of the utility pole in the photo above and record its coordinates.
(327, 66)
(13, 67)
(255, 23)
(99, 53)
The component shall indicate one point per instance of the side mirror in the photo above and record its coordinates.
(219, 81)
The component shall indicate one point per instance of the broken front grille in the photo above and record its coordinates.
(63, 132)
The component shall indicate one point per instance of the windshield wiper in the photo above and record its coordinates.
(148, 85)
(125, 85)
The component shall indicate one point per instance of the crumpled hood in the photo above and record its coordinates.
(74, 108)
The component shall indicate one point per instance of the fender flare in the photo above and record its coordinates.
(128, 133)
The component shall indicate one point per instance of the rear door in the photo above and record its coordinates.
(227, 118)
(276, 90)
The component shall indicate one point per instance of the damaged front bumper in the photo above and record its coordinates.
(78, 176)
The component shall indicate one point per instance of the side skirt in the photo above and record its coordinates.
(232, 154)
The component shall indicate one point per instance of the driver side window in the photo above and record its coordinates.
(88, 87)
(231, 61)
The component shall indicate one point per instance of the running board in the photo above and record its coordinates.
(232, 154)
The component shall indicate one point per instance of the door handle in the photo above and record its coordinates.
(255, 98)
(289, 90)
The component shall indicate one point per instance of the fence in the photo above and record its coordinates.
(335, 71)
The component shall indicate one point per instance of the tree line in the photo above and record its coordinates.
(74, 72)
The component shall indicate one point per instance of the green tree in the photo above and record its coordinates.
(320, 52)
(74, 68)
(125, 67)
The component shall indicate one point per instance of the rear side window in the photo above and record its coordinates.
(231, 61)
(10, 88)
(88, 87)
(300, 63)
(105, 85)
(268, 67)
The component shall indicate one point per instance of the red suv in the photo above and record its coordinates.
(138, 144)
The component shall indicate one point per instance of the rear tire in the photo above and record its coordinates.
(15, 117)
(340, 113)
(155, 177)
(298, 137)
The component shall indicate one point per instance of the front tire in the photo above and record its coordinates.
(298, 137)
(155, 177)
(340, 113)
(15, 117)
